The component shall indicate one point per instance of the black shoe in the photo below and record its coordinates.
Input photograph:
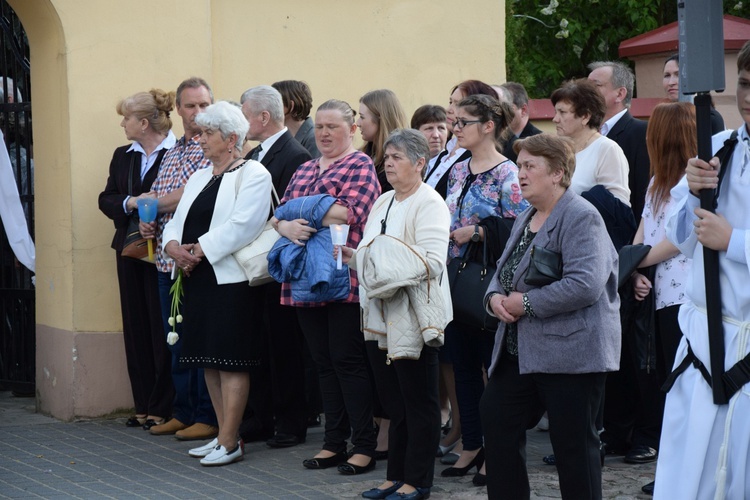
(479, 479)
(325, 463)
(641, 454)
(614, 449)
(281, 440)
(151, 423)
(648, 489)
(378, 494)
(350, 469)
(549, 459)
(461, 471)
(135, 422)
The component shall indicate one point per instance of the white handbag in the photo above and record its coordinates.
(253, 257)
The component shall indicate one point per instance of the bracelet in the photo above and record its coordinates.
(527, 306)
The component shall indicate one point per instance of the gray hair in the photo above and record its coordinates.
(622, 76)
(227, 118)
(410, 142)
(265, 98)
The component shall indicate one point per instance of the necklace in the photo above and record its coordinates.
(216, 177)
(586, 144)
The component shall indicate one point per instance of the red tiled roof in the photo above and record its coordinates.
(664, 39)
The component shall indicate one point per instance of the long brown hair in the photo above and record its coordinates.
(389, 114)
(671, 140)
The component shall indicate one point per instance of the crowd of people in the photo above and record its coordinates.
(382, 343)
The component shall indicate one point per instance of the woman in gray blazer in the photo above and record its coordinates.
(555, 341)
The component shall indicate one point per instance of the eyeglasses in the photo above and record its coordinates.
(460, 123)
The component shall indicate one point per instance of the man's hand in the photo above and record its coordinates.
(713, 230)
(702, 175)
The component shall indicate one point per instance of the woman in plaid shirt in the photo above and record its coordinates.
(332, 329)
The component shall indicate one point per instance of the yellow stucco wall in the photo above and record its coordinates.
(86, 55)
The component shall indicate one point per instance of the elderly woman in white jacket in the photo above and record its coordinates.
(406, 305)
(222, 209)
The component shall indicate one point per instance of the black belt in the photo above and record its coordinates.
(733, 379)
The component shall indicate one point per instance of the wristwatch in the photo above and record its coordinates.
(475, 236)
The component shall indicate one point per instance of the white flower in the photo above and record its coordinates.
(179, 318)
(578, 50)
(550, 9)
(171, 321)
(562, 34)
(172, 338)
(738, 6)
(564, 23)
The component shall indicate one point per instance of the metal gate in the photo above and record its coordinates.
(17, 297)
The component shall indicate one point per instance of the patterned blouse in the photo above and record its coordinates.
(506, 279)
(353, 182)
(472, 197)
(178, 164)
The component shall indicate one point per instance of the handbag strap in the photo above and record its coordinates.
(275, 202)
(130, 175)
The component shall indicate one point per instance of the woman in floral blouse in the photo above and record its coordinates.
(484, 186)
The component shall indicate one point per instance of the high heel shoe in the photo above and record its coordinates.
(461, 471)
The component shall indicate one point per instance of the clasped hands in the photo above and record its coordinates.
(713, 230)
(509, 308)
(186, 256)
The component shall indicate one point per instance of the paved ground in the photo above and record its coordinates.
(44, 458)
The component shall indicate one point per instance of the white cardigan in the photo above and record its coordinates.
(240, 213)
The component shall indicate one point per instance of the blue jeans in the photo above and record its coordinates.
(192, 403)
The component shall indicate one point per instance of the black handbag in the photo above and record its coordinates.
(469, 281)
(545, 267)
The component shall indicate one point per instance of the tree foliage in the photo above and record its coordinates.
(547, 43)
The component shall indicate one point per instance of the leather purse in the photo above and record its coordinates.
(134, 246)
(545, 267)
(253, 258)
(469, 281)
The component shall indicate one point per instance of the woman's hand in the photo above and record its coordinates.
(147, 229)
(183, 255)
(462, 235)
(132, 203)
(498, 305)
(297, 231)
(641, 286)
(713, 230)
(514, 305)
(346, 253)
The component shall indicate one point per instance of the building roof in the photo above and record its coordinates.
(664, 39)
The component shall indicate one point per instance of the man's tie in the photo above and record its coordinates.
(255, 153)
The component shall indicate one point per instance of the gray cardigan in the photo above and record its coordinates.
(576, 326)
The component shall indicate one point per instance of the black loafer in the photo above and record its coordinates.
(641, 454)
(349, 469)
(325, 463)
(284, 441)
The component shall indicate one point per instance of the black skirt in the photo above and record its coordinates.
(221, 323)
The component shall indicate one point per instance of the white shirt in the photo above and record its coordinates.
(445, 163)
(147, 161)
(602, 163)
(607, 126)
(266, 145)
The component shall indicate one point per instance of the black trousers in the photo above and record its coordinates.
(146, 351)
(337, 347)
(513, 403)
(408, 390)
(278, 392)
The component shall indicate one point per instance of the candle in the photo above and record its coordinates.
(339, 233)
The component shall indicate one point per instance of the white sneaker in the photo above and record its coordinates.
(222, 456)
(204, 450)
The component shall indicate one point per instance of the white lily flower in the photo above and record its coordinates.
(172, 338)
(179, 318)
(171, 321)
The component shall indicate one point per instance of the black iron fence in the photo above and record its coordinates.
(17, 296)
